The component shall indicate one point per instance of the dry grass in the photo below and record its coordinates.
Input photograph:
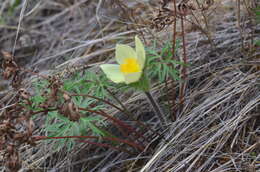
(219, 126)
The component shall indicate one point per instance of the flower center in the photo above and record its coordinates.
(130, 65)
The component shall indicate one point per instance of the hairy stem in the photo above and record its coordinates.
(156, 108)
(131, 116)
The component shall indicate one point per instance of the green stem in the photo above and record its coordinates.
(156, 108)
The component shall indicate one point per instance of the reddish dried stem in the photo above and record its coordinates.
(109, 117)
(183, 71)
(43, 111)
(116, 122)
(173, 56)
(92, 137)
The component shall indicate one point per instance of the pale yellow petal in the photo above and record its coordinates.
(132, 77)
(113, 72)
(123, 52)
(140, 51)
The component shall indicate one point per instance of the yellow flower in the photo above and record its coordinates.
(130, 63)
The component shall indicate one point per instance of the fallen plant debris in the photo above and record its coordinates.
(16, 129)
(166, 15)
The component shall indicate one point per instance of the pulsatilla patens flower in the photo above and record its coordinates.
(130, 63)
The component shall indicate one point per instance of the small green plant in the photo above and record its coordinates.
(57, 125)
(161, 65)
(72, 113)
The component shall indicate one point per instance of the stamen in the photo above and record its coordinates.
(130, 65)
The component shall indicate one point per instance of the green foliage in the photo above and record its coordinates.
(257, 13)
(58, 126)
(161, 65)
(37, 99)
(90, 83)
(143, 84)
(13, 4)
(257, 42)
